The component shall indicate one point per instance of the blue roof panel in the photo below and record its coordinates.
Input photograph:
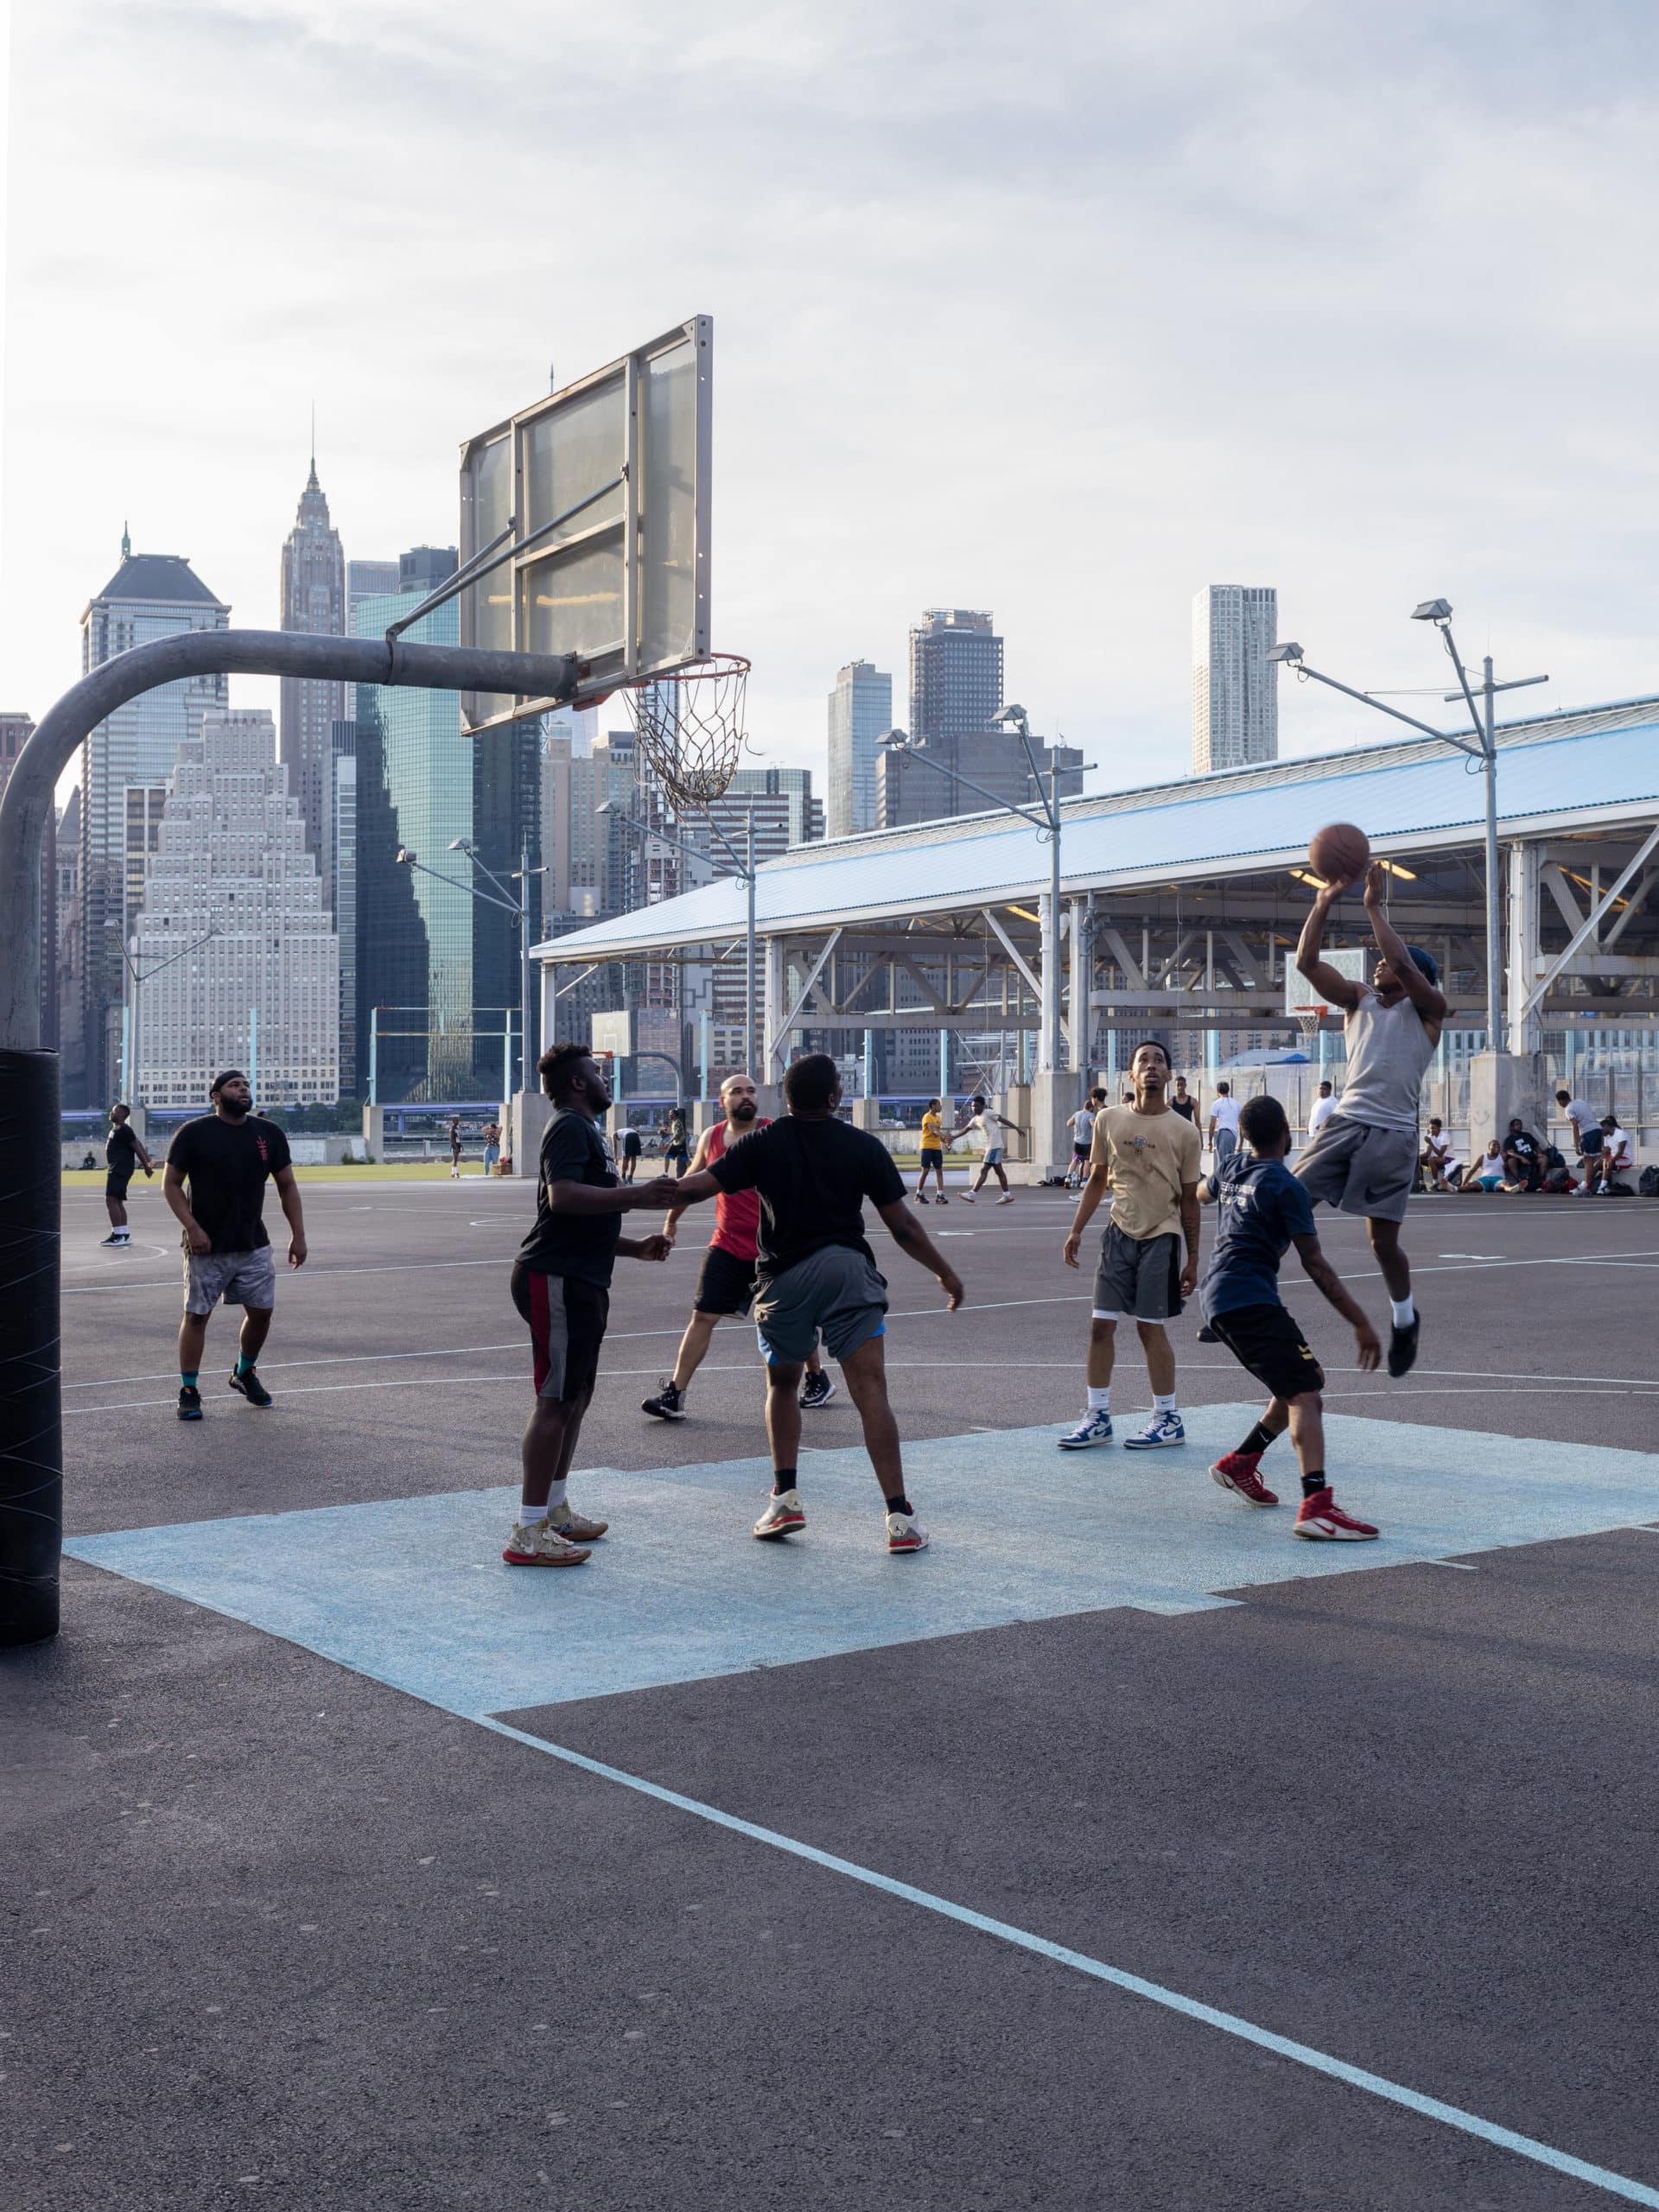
(1434, 800)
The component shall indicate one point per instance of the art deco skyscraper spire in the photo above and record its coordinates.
(314, 599)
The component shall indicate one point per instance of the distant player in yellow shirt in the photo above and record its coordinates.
(932, 1153)
(1147, 1157)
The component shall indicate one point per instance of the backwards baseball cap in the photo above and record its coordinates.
(1425, 960)
(228, 1075)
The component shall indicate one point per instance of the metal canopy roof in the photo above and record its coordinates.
(1409, 798)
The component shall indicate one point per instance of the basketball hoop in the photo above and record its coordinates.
(1308, 1020)
(691, 725)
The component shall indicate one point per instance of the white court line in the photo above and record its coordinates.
(753, 1367)
(1460, 1565)
(1209, 2016)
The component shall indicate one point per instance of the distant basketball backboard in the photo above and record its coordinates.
(1355, 961)
(599, 495)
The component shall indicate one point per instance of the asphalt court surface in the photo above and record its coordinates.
(345, 1866)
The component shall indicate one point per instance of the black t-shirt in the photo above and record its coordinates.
(1187, 1108)
(582, 1245)
(813, 1177)
(121, 1149)
(225, 1164)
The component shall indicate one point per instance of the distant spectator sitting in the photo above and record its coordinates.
(1618, 1153)
(1523, 1163)
(1435, 1159)
(1489, 1168)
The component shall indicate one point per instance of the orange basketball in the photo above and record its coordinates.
(1340, 852)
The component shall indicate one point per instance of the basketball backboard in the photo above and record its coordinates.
(1355, 961)
(599, 496)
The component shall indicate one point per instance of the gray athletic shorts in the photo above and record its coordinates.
(834, 1290)
(1360, 1168)
(239, 1278)
(1140, 1276)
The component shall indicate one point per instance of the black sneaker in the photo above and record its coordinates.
(250, 1387)
(669, 1404)
(189, 1401)
(817, 1390)
(1207, 1335)
(1402, 1346)
(117, 1236)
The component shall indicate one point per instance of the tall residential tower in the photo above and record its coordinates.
(124, 764)
(1235, 685)
(860, 709)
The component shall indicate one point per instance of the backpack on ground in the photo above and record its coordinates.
(1558, 1179)
(1648, 1182)
(1619, 1191)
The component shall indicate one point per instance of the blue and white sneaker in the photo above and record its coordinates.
(1095, 1427)
(1161, 1429)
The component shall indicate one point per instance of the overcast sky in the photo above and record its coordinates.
(1063, 310)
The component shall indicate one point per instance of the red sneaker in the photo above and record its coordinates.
(1236, 1472)
(1321, 1516)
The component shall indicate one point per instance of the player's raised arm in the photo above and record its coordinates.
(1333, 989)
(1428, 998)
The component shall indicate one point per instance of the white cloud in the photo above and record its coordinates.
(1063, 311)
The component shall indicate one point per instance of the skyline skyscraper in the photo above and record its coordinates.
(956, 673)
(860, 710)
(233, 877)
(312, 600)
(437, 961)
(1235, 685)
(149, 596)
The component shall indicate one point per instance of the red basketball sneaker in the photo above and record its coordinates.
(1236, 1472)
(1321, 1516)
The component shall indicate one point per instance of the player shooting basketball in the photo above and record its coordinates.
(1363, 1158)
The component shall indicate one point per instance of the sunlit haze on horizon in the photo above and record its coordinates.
(1063, 312)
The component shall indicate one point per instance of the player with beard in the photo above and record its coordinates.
(726, 1281)
(224, 1157)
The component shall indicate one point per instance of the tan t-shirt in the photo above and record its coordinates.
(1148, 1157)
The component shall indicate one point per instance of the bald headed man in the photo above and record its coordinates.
(726, 1282)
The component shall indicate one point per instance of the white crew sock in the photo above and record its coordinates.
(1162, 1404)
(530, 1515)
(1403, 1311)
(1100, 1402)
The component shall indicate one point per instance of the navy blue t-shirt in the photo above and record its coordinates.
(1260, 1206)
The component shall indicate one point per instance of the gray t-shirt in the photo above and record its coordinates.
(1585, 1116)
(1389, 1053)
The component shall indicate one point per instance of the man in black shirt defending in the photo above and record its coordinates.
(816, 1274)
(562, 1286)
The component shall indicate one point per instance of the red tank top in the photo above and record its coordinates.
(737, 1217)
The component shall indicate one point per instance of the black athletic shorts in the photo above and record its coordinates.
(567, 1327)
(1267, 1341)
(725, 1284)
(932, 1158)
(115, 1186)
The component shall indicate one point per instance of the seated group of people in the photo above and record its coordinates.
(1520, 1161)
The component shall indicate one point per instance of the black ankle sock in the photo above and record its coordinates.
(899, 1504)
(1313, 1484)
(782, 1479)
(1258, 1438)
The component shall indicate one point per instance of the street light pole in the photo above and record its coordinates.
(745, 868)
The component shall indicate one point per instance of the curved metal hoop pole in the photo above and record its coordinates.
(31, 1437)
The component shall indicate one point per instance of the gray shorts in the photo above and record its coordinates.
(1360, 1168)
(239, 1278)
(1138, 1275)
(835, 1291)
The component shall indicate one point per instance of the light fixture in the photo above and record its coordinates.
(1432, 610)
(1292, 651)
(405, 858)
(1408, 875)
(460, 845)
(1026, 915)
(1306, 875)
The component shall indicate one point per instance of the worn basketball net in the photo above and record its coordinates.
(691, 725)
